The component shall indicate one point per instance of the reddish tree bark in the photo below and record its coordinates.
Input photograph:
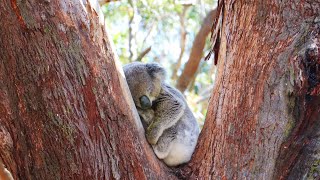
(65, 110)
(263, 120)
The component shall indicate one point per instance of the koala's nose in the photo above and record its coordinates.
(145, 102)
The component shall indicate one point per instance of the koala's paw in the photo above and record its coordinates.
(147, 115)
(153, 134)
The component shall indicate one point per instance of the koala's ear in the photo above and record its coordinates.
(155, 70)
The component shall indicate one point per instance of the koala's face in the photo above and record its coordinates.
(144, 82)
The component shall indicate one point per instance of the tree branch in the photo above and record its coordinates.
(143, 53)
(196, 52)
(132, 31)
(183, 35)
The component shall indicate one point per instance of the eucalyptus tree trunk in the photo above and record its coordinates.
(65, 111)
(263, 120)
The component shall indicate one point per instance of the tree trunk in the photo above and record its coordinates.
(65, 111)
(263, 120)
(196, 52)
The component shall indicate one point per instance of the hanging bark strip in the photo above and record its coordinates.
(216, 32)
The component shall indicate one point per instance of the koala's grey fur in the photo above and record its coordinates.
(170, 126)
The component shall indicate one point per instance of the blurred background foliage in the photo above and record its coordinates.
(152, 31)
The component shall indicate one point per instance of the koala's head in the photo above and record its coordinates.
(144, 82)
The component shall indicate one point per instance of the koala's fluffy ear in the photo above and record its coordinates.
(155, 70)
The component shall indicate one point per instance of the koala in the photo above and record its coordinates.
(170, 126)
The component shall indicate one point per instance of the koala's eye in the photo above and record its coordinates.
(145, 102)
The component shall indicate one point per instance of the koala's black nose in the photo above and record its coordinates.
(145, 102)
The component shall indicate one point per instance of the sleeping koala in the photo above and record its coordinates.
(170, 126)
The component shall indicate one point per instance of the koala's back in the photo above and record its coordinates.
(186, 132)
(187, 121)
(184, 142)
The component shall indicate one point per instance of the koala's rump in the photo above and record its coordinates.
(183, 139)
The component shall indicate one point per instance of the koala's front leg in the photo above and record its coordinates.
(147, 115)
(168, 110)
(164, 144)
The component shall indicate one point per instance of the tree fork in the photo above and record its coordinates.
(65, 110)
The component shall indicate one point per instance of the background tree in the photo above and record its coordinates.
(165, 31)
(196, 53)
(65, 111)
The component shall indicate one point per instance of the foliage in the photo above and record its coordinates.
(156, 23)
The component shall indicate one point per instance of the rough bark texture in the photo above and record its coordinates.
(263, 120)
(65, 112)
(196, 53)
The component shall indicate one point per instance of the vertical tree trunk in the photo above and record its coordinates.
(65, 113)
(263, 120)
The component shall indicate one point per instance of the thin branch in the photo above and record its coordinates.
(143, 53)
(207, 90)
(196, 52)
(149, 32)
(132, 32)
(203, 98)
(183, 35)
